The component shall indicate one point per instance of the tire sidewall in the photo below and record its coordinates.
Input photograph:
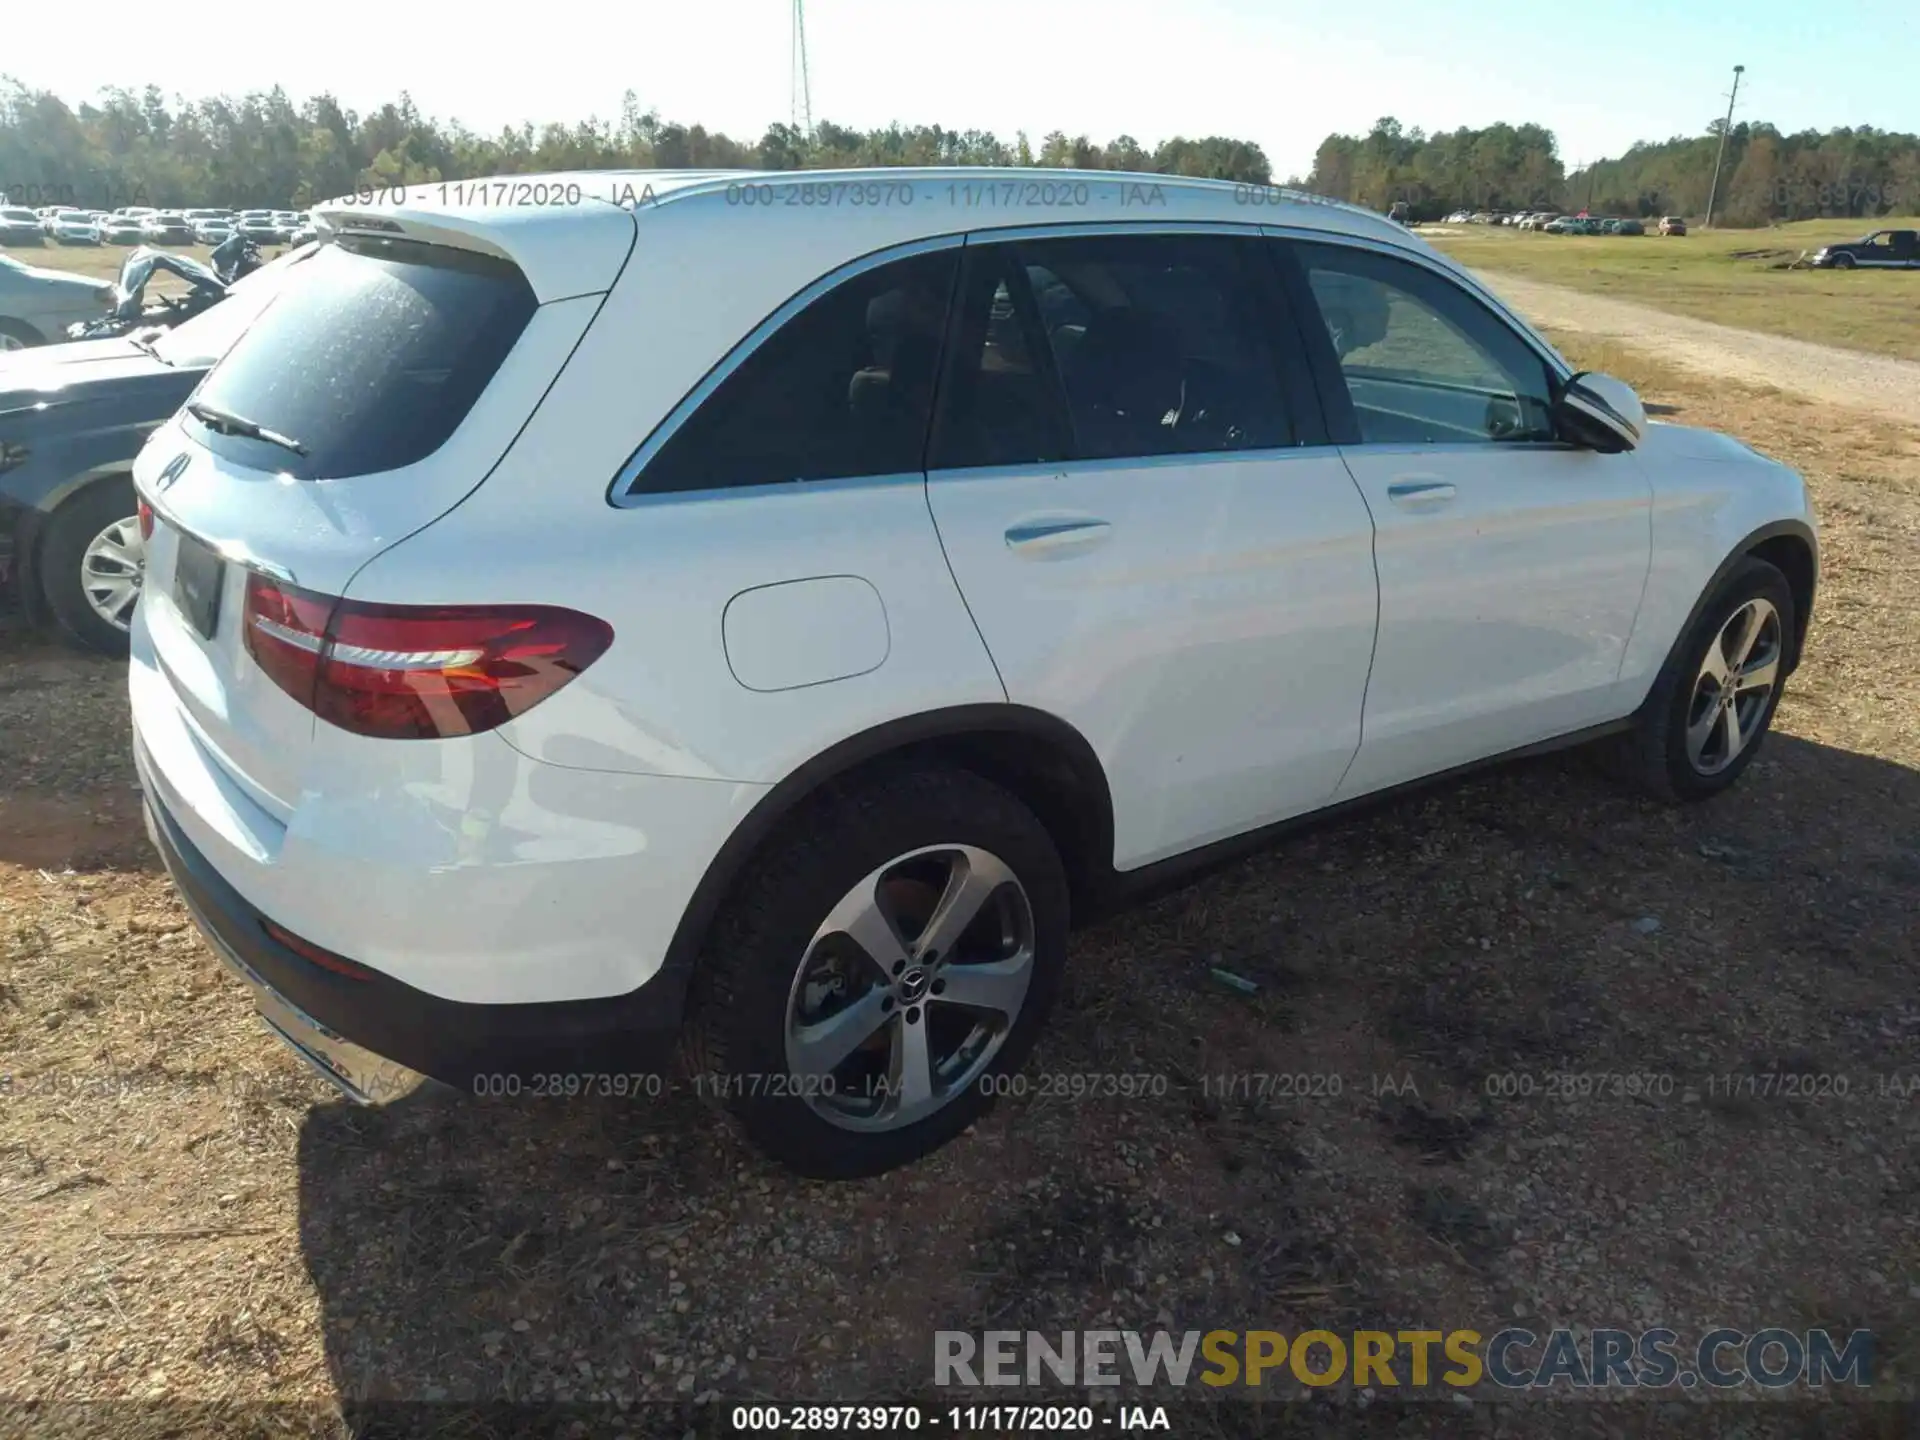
(846, 841)
(21, 331)
(71, 529)
(1753, 580)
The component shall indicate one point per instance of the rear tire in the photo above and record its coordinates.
(1706, 715)
(79, 555)
(18, 335)
(780, 977)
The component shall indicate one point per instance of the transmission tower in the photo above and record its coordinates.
(802, 91)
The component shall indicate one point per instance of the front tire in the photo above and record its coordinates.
(1714, 699)
(92, 565)
(889, 959)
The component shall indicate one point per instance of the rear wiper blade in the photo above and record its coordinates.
(228, 423)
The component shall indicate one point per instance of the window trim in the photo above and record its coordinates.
(1335, 396)
(1295, 373)
(1025, 306)
(620, 491)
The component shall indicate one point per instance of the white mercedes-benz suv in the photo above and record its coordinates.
(595, 614)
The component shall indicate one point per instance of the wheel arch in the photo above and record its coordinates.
(18, 327)
(36, 524)
(1790, 547)
(1791, 550)
(1040, 758)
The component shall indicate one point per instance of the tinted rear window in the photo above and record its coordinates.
(370, 359)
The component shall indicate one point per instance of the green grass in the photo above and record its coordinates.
(1720, 275)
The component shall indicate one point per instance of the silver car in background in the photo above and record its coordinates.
(37, 306)
(76, 227)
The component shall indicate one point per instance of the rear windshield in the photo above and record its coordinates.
(203, 339)
(369, 360)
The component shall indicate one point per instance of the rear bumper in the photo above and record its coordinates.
(377, 1038)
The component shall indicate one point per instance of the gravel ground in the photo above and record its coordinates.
(1877, 384)
(185, 1216)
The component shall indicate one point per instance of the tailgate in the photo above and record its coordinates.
(370, 399)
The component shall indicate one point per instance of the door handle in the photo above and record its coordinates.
(1420, 494)
(1043, 539)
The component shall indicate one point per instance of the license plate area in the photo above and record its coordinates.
(199, 575)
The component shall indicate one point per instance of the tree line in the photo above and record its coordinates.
(1766, 177)
(263, 149)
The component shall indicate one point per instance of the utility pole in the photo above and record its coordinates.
(1713, 191)
(802, 87)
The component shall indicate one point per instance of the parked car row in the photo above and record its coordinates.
(145, 225)
(1552, 222)
(1590, 225)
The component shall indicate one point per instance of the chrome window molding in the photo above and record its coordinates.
(1072, 229)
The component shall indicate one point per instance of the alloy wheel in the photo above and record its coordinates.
(1734, 687)
(112, 569)
(909, 988)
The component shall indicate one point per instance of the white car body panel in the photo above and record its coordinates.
(468, 871)
(664, 700)
(1210, 640)
(1510, 577)
(1711, 493)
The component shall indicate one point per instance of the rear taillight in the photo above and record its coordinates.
(146, 520)
(415, 672)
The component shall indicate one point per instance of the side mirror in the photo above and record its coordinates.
(1600, 412)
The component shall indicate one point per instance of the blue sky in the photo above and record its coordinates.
(1600, 75)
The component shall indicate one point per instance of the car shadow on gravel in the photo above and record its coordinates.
(1533, 918)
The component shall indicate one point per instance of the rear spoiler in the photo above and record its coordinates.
(352, 219)
(576, 249)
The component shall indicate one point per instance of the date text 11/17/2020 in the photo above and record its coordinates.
(773, 194)
(956, 1419)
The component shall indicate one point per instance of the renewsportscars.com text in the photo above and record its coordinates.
(1508, 1359)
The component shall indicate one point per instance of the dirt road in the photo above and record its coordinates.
(1878, 385)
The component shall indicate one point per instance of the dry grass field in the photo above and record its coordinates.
(186, 1216)
(1721, 275)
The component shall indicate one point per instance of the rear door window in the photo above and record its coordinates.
(842, 390)
(1114, 346)
(369, 360)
